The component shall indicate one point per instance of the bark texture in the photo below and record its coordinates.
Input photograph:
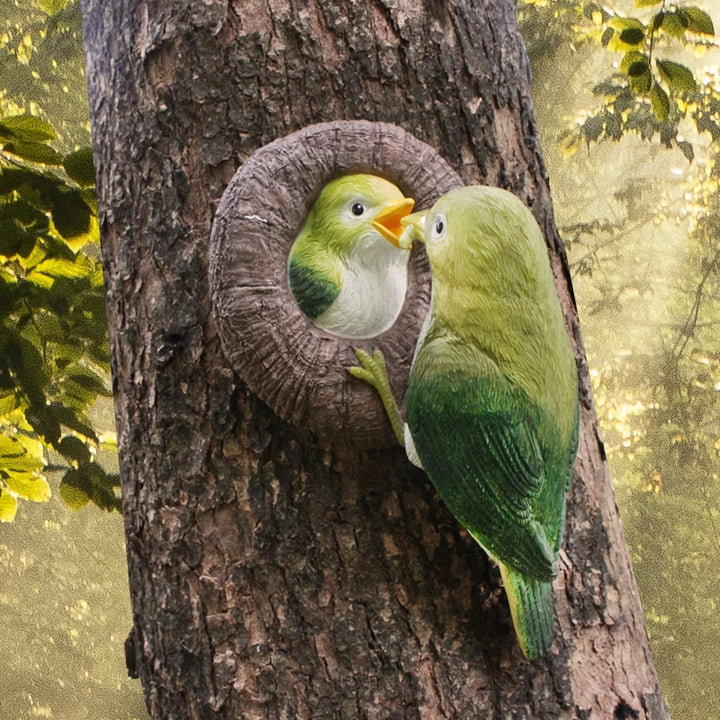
(271, 577)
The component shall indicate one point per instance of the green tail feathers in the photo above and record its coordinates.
(531, 607)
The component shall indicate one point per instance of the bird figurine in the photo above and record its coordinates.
(345, 268)
(492, 398)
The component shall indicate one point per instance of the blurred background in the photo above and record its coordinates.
(627, 97)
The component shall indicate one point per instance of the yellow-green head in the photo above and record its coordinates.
(346, 270)
(354, 205)
(479, 235)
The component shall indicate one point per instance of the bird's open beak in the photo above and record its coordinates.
(414, 229)
(388, 222)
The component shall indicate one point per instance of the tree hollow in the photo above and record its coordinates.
(299, 370)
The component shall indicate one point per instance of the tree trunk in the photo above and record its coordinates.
(272, 576)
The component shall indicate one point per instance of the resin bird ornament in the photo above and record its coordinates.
(345, 268)
(492, 399)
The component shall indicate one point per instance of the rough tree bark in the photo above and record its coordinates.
(272, 577)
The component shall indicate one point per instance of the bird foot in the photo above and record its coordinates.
(373, 370)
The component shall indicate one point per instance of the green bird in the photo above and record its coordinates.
(345, 268)
(492, 399)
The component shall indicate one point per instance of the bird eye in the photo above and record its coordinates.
(358, 209)
(439, 226)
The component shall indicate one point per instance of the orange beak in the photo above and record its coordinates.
(413, 229)
(388, 221)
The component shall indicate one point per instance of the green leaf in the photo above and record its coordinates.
(70, 419)
(677, 76)
(660, 103)
(647, 3)
(10, 446)
(20, 226)
(29, 487)
(673, 25)
(57, 267)
(43, 421)
(24, 462)
(93, 481)
(638, 62)
(35, 151)
(636, 66)
(8, 507)
(27, 127)
(73, 448)
(79, 166)
(593, 127)
(27, 364)
(607, 34)
(102, 493)
(52, 7)
(10, 294)
(12, 178)
(20, 453)
(76, 478)
(41, 280)
(629, 34)
(71, 214)
(16, 241)
(8, 402)
(632, 36)
(637, 69)
(73, 497)
(696, 20)
(79, 395)
(623, 23)
(66, 354)
(26, 214)
(640, 84)
(88, 380)
(687, 149)
(38, 187)
(49, 326)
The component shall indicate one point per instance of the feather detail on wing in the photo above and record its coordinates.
(313, 291)
(476, 436)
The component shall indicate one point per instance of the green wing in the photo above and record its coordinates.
(492, 455)
(313, 291)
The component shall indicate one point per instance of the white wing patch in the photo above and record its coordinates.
(410, 449)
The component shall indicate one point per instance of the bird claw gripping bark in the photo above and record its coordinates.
(373, 370)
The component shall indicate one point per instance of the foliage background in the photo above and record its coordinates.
(632, 147)
(636, 200)
(63, 586)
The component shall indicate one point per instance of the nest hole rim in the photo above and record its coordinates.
(332, 404)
